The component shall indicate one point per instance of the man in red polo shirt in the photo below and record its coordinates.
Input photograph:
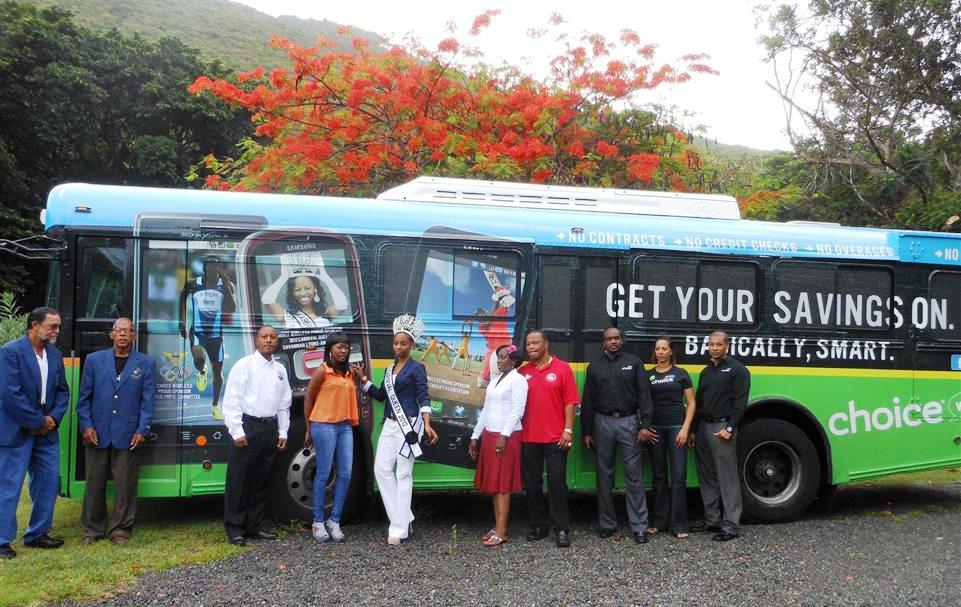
(547, 436)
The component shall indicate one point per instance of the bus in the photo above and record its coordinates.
(852, 335)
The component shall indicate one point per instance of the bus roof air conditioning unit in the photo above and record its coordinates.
(476, 192)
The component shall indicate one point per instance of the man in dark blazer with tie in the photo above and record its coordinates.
(115, 408)
(33, 400)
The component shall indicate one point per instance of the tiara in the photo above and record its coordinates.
(299, 264)
(410, 325)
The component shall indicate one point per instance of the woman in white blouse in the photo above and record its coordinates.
(498, 429)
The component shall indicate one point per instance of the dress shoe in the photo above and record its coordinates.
(724, 536)
(641, 537)
(563, 539)
(262, 535)
(119, 540)
(238, 541)
(6, 552)
(44, 541)
(89, 540)
(537, 533)
(605, 533)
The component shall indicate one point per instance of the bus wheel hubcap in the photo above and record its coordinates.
(300, 476)
(772, 472)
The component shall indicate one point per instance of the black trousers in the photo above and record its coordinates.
(248, 478)
(669, 510)
(533, 457)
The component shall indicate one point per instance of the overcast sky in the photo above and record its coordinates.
(735, 106)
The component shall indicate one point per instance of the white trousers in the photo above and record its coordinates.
(394, 474)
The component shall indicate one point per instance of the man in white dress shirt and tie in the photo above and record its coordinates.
(256, 409)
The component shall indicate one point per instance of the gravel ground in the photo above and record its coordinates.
(879, 546)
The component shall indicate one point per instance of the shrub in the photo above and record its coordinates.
(12, 321)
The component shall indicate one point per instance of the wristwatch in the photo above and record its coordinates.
(730, 430)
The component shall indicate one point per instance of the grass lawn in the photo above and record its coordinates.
(934, 477)
(169, 533)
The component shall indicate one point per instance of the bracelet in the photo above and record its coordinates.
(568, 430)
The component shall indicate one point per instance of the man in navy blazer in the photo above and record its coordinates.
(115, 408)
(33, 400)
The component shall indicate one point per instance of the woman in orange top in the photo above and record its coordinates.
(330, 408)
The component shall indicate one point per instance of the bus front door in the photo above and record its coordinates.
(307, 284)
(572, 312)
(468, 290)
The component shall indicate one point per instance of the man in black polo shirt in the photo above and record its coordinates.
(722, 393)
(616, 411)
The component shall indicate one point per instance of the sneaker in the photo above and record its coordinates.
(217, 411)
(333, 528)
(319, 532)
(202, 381)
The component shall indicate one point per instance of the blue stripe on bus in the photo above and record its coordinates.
(118, 207)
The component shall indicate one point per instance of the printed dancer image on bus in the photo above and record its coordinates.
(497, 332)
(212, 299)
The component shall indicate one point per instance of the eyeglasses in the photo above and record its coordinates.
(123, 331)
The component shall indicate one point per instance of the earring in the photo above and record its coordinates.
(316, 298)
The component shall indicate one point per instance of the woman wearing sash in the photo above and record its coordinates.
(498, 428)
(330, 408)
(406, 417)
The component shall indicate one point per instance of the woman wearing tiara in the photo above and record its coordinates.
(305, 304)
(406, 417)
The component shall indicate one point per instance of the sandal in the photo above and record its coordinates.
(487, 535)
(494, 540)
(652, 530)
(682, 535)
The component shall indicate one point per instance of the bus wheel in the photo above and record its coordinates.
(292, 497)
(779, 467)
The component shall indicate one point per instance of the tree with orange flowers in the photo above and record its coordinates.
(363, 121)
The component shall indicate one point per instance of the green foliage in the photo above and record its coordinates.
(220, 29)
(97, 107)
(12, 322)
(872, 91)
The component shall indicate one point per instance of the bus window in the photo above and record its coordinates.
(943, 306)
(306, 288)
(824, 297)
(163, 279)
(556, 288)
(467, 301)
(102, 269)
(397, 263)
(727, 293)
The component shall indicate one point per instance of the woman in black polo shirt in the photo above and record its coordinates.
(673, 396)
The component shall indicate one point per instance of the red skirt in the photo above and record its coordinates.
(498, 473)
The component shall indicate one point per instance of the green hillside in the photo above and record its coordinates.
(221, 29)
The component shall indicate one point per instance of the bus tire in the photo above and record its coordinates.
(780, 472)
(292, 491)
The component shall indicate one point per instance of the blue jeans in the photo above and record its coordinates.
(41, 459)
(332, 443)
